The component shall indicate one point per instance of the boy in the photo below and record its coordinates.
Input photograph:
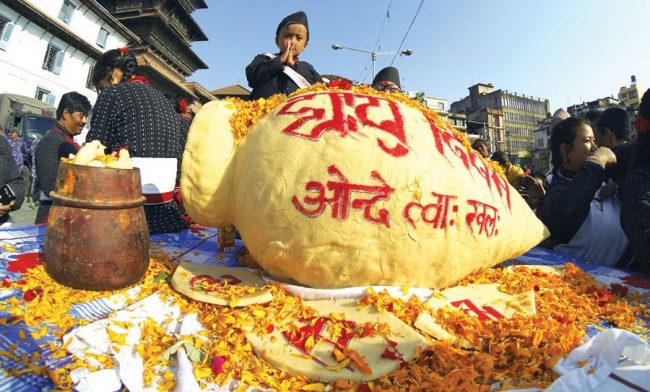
(387, 80)
(270, 74)
(612, 130)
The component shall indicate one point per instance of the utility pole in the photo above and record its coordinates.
(373, 54)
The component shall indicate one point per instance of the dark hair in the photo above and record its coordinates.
(563, 133)
(74, 102)
(112, 59)
(641, 153)
(477, 143)
(500, 157)
(593, 115)
(617, 121)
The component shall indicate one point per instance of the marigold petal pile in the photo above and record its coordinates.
(518, 352)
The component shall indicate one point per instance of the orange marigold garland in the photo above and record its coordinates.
(519, 352)
(249, 113)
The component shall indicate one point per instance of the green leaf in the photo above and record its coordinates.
(171, 350)
(162, 277)
(194, 354)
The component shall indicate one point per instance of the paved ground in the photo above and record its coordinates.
(26, 214)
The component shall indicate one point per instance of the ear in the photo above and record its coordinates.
(564, 149)
(609, 135)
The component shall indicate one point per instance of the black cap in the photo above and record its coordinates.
(617, 120)
(295, 18)
(388, 74)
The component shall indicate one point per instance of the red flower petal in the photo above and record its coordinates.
(29, 295)
(366, 331)
(6, 282)
(388, 354)
(217, 364)
(563, 320)
(269, 328)
(334, 83)
(618, 289)
(25, 261)
(363, 388)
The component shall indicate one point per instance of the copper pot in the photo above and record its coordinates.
(97, 236)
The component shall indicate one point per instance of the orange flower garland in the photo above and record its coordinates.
(249, 113)
(519, 352)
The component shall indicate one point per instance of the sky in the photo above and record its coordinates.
(566, 51)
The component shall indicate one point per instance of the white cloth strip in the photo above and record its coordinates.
(158, 175)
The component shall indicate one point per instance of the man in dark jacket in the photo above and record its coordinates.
(71, 117)
(613, 131)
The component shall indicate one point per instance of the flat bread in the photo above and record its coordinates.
(546, 269)
(307, 347)
(484, 301)
(226, 286)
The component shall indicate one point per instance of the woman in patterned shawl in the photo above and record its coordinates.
(583, 219)
(128, 113)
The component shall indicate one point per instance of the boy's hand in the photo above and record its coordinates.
(287, 54)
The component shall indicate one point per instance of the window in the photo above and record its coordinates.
(45, 96)
(102, 37)
(67, 9)
(6, 28)
(441, 106)
(89, 79)
(53, 59)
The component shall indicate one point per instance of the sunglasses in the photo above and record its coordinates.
(386, 86)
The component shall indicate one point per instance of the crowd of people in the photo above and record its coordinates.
(596, 201)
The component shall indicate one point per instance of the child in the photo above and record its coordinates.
(270, 74)
(387, 80)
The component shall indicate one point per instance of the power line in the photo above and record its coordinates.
(381, 30)
(407, 32)
(364, 73)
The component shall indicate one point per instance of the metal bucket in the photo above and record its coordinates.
(97, 236)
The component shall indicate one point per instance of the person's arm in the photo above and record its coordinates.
(567, 203)
(262, 69)
(184, 127)
(309, 73)
(635, 217)
(11, 176)
(46, 165)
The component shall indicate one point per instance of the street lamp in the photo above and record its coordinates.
(373, 54)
